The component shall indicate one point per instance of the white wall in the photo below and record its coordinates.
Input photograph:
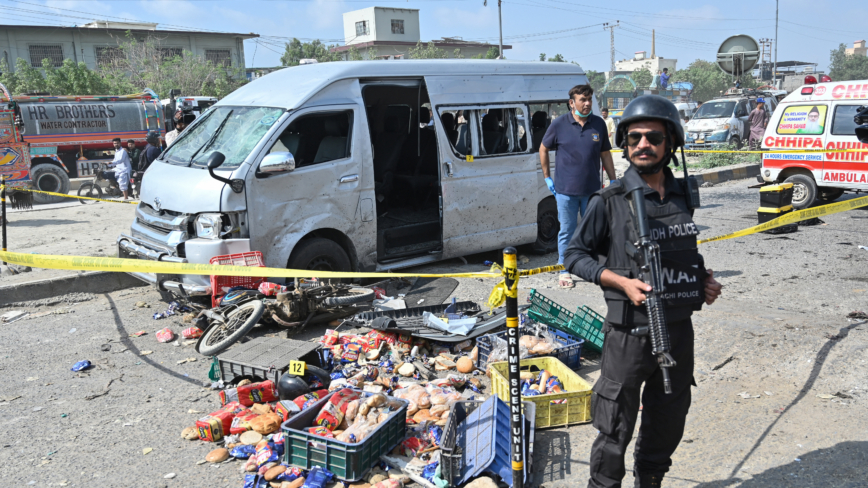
(380, 25)
(654, 64)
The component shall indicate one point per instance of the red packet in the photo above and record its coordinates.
(165, 335)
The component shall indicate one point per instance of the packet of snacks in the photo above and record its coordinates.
(332, 413)
(165, 335)
(330, 338)
(247, 395)
(191, 333)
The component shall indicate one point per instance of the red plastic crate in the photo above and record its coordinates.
(253, 259)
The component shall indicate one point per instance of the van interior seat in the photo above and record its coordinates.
(387, 153)
(492, 137)
(291, 143)
(334, 144)
(462, 140)
(538, 122)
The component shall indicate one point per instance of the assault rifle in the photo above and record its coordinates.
(646, 253)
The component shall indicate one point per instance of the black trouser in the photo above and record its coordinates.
(627, 363)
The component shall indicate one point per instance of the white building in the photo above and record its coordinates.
(641, 60)
(858, 49)
(389, 33)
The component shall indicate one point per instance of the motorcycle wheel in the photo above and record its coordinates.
(91, 190)
(239, 321)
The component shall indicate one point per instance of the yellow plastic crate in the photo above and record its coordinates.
(576, 410)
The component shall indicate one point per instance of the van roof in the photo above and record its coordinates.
(831, 90)
(291, 87)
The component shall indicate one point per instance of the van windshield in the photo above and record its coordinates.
(240, 129)
(715, 110)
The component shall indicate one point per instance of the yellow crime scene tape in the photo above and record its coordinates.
(64, 195)
(769, 151)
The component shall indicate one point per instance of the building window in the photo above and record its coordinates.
(397, 26)
(38, 52)
(106, 57)
(219, 57)
(362, 28)
(168, 53)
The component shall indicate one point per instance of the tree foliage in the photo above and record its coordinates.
(844, 67)
(557, 59)
(642, 77)
(296, 50)
(492, 53)
(427, 51)
(596, 79)
(137, 65)
(708, 79)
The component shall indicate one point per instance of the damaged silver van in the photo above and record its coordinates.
(368, 166)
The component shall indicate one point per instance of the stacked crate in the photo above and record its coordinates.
(776, 201)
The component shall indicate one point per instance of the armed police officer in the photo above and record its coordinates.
(600, 251)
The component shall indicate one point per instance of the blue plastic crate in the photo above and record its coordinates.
(476, 440)
(568, 352)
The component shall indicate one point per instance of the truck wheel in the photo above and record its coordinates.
(48, 177)
(736, 141)
(319, 254)
(830, 194)
(804, 191)
(547, 227)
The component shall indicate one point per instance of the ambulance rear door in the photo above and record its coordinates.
(844, 169)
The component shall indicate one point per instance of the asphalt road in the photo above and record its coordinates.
(778, 336)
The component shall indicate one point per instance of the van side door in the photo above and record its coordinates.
(488, 178)
(844, 169)
(327, 189)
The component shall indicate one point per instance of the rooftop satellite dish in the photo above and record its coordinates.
(738, 55)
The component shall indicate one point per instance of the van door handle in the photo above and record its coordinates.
(349, 178)
(448, 165)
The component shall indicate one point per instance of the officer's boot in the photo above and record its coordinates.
(647, 480)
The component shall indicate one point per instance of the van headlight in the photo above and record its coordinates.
(209, 225)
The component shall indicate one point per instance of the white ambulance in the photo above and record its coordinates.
(817, 116)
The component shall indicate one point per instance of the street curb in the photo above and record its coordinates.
(89, 282)
(728, 174)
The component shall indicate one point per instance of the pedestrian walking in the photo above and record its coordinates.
(649, 132)
(122, 167)
(758, 120)
(579, 137)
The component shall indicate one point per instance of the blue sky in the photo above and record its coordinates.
(808, 30)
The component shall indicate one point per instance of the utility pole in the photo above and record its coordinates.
(765, 56)
(775, 69)
(611, 29)
(500, 25)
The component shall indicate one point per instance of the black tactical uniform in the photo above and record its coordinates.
(627, 361)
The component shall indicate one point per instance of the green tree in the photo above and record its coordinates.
(492, 53)
(8, 77)
(457, 53)
(296, 50)
(73, 79)
(429, 51)
(844, 67)
(707, 78)
(596, 79)
(29, 78)
(642, 76)
(542, 56)
(558, 59)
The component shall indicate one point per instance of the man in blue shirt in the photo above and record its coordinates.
(582, 143)
(664, 79)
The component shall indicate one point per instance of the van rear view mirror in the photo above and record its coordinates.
(276, 162)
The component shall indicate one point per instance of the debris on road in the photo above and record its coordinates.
(12, 316)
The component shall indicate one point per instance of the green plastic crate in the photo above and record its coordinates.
(548, 312)
(585, 323)
(588, 325)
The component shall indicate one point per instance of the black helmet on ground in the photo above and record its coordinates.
(290, 387)
(652, 107)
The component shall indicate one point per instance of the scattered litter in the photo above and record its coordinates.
(194, 411)
(72, 330)
(37, 409)
(105, 347)
(81, 365)
(139, 333)
(64, 415)
(142, 305)
(768, 393)
(863, 248)
(420, 301)
(857, 314)
(145, 353)
(9, 399)
(146, 451)
(388, 303)
(825, 396)
(13, 316)
(843, 395)
(747, 395)
(33, 378)
(191, 333)
(188, 360)
(169, 476)
(798, 460)
(173, 308)
(165, 335)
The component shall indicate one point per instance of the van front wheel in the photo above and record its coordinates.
(547, 227)
(804, 191)
(319, 254)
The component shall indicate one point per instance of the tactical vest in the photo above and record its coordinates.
(673, 229)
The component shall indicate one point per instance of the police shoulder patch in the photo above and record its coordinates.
(596, 137)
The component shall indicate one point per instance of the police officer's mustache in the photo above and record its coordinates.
(644, 152)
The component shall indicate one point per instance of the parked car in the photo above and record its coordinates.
(723, 121)
(333, 166)
(817, 116)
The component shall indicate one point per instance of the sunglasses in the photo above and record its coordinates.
(654, 137)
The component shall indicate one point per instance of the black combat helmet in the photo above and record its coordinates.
(651, 107)
(153, 138)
